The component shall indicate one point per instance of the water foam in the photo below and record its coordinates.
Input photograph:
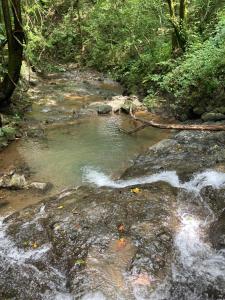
(199, 181)
(196, 261)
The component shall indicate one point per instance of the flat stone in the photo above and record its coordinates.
(41, 186)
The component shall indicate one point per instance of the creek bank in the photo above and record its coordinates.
(117, 241)
(17, 180)
(10, 129)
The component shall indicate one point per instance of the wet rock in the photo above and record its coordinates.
(13, 181)
(199, 110)
(212, 116)
(73, 238)
(104, 109)
(215, 198)
(41, 186)
(201, 150)
(17, 182)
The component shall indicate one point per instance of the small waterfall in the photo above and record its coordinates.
(199, 181)
(198, 270)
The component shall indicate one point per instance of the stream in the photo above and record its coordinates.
(59, 152)
(154, 233)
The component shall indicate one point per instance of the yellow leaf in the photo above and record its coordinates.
(135, 190)
(34, 245)
(60, 207)
(80, 262)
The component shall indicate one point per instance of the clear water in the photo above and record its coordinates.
(96, 142)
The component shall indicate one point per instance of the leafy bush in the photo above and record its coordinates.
(200, 73)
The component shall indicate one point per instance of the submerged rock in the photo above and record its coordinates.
(104, 109)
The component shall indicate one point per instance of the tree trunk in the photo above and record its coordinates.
(178, 22)
(147, 123)
(15, 37)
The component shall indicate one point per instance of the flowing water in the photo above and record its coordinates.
(197, 268)
(91, 150)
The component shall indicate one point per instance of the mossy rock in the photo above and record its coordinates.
(104, 109)
(213, 116)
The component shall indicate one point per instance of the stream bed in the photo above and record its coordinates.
(156, 232)
(60, 146)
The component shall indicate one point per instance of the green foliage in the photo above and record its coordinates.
(136, 41)
(200, 72)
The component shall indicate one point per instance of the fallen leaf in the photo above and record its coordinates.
(80, 262)
(135, 190)
(34, 245)
(60, 207)
(121, 228)
(57, 227)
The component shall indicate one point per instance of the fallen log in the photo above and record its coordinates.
(148, 123)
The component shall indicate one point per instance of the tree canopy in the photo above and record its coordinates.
(169, 48)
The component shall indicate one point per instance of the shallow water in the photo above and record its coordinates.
(66, 152)
(93, 151)
(67, 145)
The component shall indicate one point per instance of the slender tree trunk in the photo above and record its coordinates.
(15, 37)
(178, 22)
(80, 26)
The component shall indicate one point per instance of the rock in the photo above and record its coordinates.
(41, 186)
(76, 234)
(3, 203)
(104, 109)
(212, 116)
(14, 181)
(17, 182)
(199, 110)
(201, 150)
(116, 103)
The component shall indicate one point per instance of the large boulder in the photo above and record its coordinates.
(213, 116)
(83, 237)
(185, 152)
